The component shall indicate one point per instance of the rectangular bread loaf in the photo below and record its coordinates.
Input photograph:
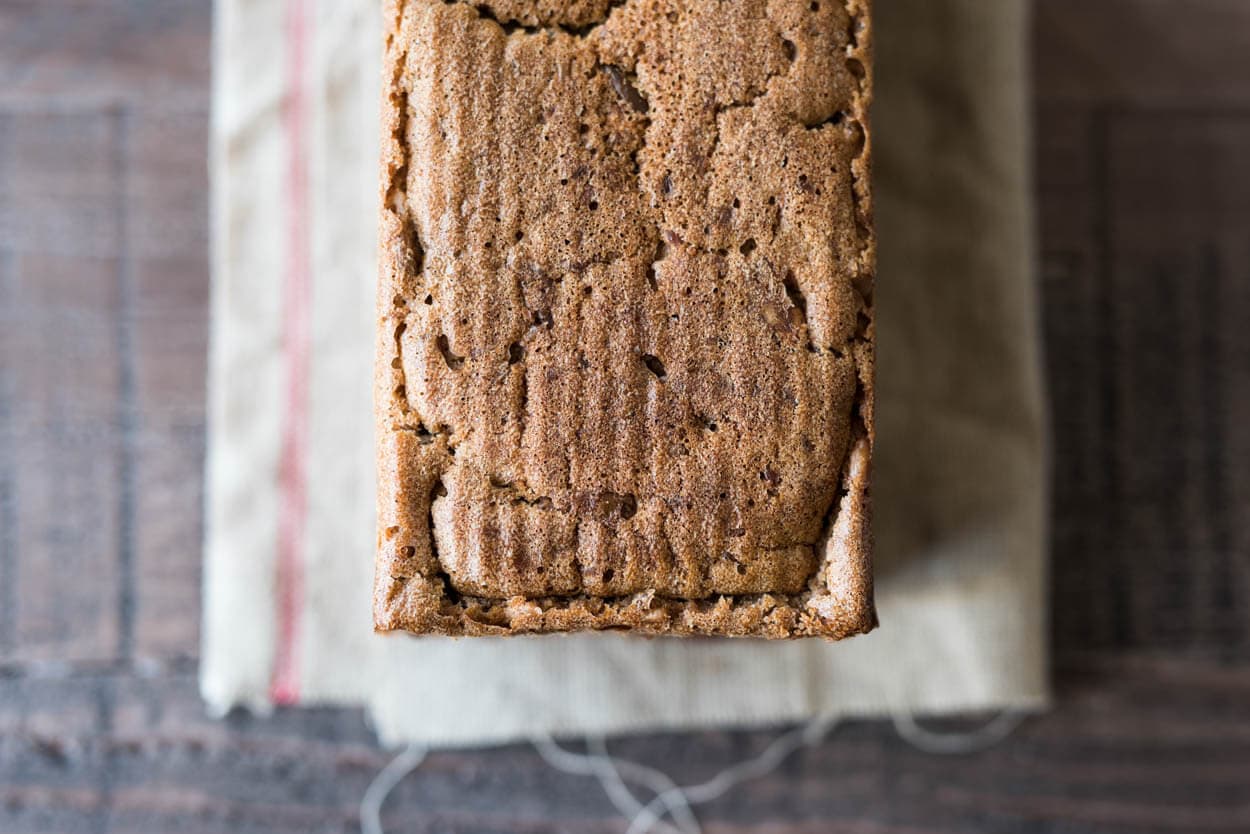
(625, 321)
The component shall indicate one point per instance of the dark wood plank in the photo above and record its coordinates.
(167, 543)
(113, 50)
(1143, 51)
(8, 451)
(168, 241)
(61, 175)
(60, 235)
(1144, 275)
(1180, 205)
(66, 459)
(1069, 270)
(168, 188)
(1141, 745)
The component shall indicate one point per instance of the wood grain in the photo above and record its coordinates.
(167, 240)
(1143, 117)
(1143, 52)
(1138, 745)
(1145, 268)
(63, 371)
(61, 53)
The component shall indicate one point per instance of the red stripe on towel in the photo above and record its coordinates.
(297, 310)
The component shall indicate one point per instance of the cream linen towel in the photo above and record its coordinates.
(960, 477)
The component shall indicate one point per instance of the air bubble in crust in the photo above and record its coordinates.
(624, 87)
(453, 361)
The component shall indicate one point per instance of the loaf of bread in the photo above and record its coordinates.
(625, 320)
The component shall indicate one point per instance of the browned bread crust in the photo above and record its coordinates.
(625, 337)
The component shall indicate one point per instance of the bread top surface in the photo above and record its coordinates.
(626, 296)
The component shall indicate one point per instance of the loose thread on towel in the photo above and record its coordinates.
(612, 772)
(611, 775)
(671, 799)
(615, 770)
(959, 742)
(382, 785)
(675, 801)
(766, 762)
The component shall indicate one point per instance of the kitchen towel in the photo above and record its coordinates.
(960, 475)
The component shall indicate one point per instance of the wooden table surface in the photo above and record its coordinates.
(1143, 178)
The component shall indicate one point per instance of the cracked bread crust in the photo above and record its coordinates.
(625, 339)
